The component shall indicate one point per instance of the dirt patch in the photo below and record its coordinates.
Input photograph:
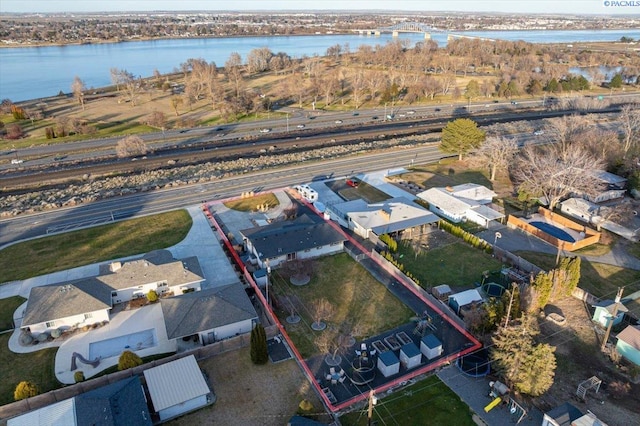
(248, 394)
(579, 358)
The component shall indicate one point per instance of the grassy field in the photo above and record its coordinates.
(250, 204)
(429, 402)
(356, 296)
(37, 367)
(85, 246)
(458, 265)
(7, 307)
(600, 279)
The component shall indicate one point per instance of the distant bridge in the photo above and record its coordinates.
(414, 27)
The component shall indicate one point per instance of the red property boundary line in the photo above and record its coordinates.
(401, 278)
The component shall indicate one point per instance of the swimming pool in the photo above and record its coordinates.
(115, 346)
(552, 230)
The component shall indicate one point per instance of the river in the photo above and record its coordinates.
(36, 72)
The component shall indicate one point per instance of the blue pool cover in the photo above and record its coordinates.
(554, 231)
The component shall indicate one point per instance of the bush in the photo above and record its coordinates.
(618, 389)
(78, 376)
(259, 351)
(55, 333)
(128, 360)
(25, 389)
(152, 296)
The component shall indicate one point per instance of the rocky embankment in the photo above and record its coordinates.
(98, 189)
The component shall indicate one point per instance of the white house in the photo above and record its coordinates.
(177, 387)
(302, 238)
(212, 314)
(464, 202)
(396, 215)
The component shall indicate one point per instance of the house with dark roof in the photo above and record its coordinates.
(394, 216)
(88, 301)
(211, 314)
(628, 344)
(121, 403)
(305, 237)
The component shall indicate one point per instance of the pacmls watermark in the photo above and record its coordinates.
(621, 3)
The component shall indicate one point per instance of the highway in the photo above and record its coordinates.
(106, 211)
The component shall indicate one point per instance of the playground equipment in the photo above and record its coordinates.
(82, 359)
(492, 404)
(423, 324)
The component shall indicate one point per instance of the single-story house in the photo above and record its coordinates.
(628, 344)
(177, 387)
(611, 187)
(395, 215)
(458, 301)
(119, 403)
(467, 202)
(88, 301)
(302, 238)
(212, 314)
(582, 209)
(604, 312)
(563, 415)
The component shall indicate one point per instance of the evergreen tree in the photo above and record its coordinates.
(543, 285)
(259, 351)
(128, 360)
(461, 136)
(616, 82)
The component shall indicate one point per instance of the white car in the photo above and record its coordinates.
(265, 130)
(300, 126)
(411, 112)
(338, 121)
(538, 132)
(17, 161)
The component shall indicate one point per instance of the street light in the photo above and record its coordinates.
(498, 235)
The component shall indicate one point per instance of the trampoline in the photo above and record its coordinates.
(493, 289)
(475, 364)
(553, 230)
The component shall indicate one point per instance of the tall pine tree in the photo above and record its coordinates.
(259, 351)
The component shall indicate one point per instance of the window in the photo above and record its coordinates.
(87, 316)
(50, 324)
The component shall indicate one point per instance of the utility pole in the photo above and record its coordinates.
(613, 317)
(372, 401)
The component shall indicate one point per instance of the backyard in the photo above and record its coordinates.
(250, 204)
(427, 402)
(367, 192)
(356, 297)
(86, 246)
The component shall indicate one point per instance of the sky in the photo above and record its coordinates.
(594, 7)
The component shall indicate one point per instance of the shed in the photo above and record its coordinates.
(177, 387)
(430, 346)
(629, 343)
(441, 292)
(563, 415)
(604, 311)
(464, 298)
(388, 363)
(410, 356)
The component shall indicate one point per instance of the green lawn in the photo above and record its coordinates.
(59, 252)
(600, 279)
(428, 402)
(7, 307)
(37, 367)
(457, 264)
(356, 296)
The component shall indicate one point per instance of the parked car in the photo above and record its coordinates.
(265, 130)
(538, 132)
(300, 126)
(353, 182)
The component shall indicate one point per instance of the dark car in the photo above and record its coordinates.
(437, 110)
(375, 117)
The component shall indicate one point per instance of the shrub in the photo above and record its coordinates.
(25, 389)
(152, 296)
(78, 376)
(618, 389)
(128, 360)
(55, 333)
(259, 351)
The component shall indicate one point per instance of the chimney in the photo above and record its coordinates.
(386, 214)
(114, 266)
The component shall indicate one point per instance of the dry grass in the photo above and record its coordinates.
(249, 394)
(250, 204)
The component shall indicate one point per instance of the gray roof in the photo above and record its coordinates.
(631, 336)
(305, 232)
(51, 302)
(140, 272)
(445, 201)
(608, 304)
(608, 178)
(198, 311)
(119, 404)
(565, 414)
(472, 191)
(391, 215)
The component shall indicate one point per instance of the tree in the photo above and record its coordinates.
(328, 342)
(630, 122)
(554, 173)
(14, 131)
(24, 390)
(543, 288)
(497, 153)
(616, 81)
(259, 351)
(152, 296)
(233, 70)
(78, 376)
(461, 136)
(132, 86)
(78, 87)
(526, 366)
(128, 360)
(157, 119)
(176, 101)
(130, 146)
(472, 90)
(321, 309)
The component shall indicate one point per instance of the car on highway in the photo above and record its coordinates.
(265, 130)
(375, 117)
(355, 114)
(17, 161)
(437, 110)
(411, 112)
(538, 132)
(514, 103)
(300, 126)
(338, 121)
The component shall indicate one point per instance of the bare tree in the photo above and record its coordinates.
(258, 60)
(175, 102)
(497, 153)
(233, 70)
(157, 119)
(78, 87)
(565, 130)
(130, 146)
(357, 86)
(321, 310)
(132, 86)
(630, 123)
(555, 173)
(328, 342)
